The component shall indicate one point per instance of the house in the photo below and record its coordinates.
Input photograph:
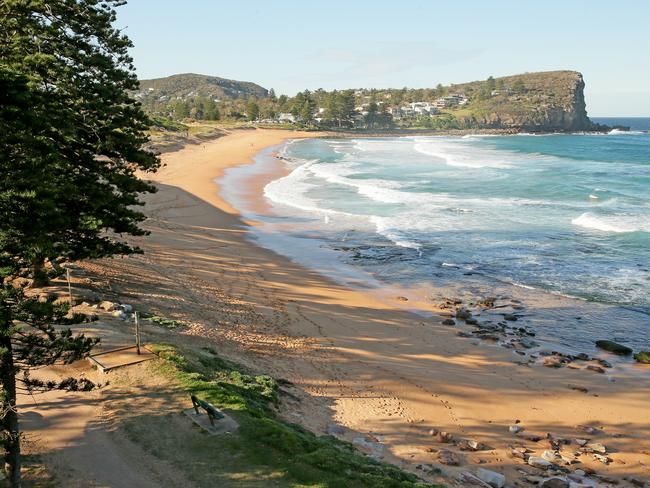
(453, 100)
(424, 108)
(286, 117)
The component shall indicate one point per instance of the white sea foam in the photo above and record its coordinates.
(618, 132)
(396, 236)
(291, 190)
(614, 223)
(459, 153)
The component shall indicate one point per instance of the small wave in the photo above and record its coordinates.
(392, 234)
(291, 190)
(618, 132)
(616, 224)
(461, 153)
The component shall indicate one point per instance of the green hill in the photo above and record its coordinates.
(190, 85)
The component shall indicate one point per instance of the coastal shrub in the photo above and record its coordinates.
(165, 322)
(642, 357)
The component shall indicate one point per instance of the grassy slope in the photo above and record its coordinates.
(264, 451)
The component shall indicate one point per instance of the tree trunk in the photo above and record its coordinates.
(10, 419)
(39, 274)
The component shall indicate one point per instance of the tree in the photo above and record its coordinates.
(70, 145)
(73, 188)
(384, 119)
(345, 105)
(252, 109)
(182, 109)
(331, 106)
(282, 102)
(371, 116)
(306, 113)
(29, 340)
(272, 95)
(210, 110)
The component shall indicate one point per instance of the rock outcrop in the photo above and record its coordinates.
(537, 102)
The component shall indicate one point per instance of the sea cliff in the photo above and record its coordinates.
(538, 102)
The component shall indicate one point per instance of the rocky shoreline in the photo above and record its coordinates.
(508, 332)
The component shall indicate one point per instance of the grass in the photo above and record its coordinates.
(164, 322)
(264, 450)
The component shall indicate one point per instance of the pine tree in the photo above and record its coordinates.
(72, 164)
(306, 113)
(345, 106)
(70, 146)
(252, 109)
(29, 340)
(371, 116)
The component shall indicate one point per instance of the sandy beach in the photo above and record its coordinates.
(368, 370)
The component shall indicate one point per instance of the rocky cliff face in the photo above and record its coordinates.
(537, 102)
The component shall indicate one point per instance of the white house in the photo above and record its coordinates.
(286, 117)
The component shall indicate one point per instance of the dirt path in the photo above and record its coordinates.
(76, 432)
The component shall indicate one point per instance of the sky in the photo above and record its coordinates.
(292, 45)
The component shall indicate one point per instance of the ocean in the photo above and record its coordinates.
(560, 222)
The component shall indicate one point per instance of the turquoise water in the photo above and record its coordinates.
(561, 214)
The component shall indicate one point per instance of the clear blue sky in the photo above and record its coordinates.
(291, 45)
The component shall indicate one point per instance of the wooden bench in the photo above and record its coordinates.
(211, 410)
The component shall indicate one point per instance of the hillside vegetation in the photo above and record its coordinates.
(552, 100)
(161, 95)
(538, 102)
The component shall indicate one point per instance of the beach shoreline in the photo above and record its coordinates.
(372, 372)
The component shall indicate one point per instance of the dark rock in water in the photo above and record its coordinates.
(449, 322)
(597, 369)
(582, 357)
(642, 357)
(528, 343)
(471, 321)
(604, 364)
(488, 337)
(614, 347)
(510, 317)
(463, 314)
(464, 334)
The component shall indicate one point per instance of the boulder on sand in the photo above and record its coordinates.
(492, 478)
(614, 347)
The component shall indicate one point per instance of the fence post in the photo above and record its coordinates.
(137, 332)
(67, 274)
